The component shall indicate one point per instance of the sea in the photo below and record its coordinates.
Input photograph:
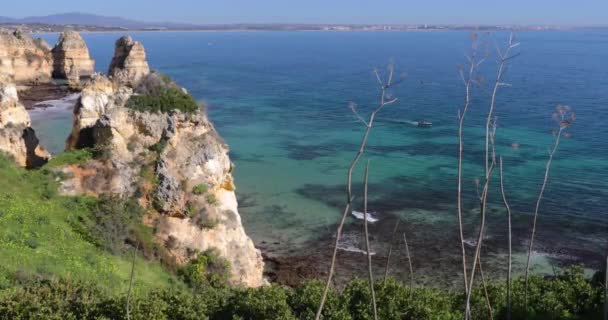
(283, 103)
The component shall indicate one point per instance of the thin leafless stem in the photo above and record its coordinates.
(384, 86)
(509, 268)
(606, 291)
(409, 262)
(390, 250)
(538, 201)
(131, 283)
(467, 81)
(490, 162)
(485, 289)
(367, 246)
(483, 205)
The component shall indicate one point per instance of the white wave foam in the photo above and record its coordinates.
(370, 216)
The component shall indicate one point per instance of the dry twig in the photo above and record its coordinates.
(384, 101)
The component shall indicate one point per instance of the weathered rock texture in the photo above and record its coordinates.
(162, 158)
(17, 138)
(129, 63)
(24, 59)
(71, 59)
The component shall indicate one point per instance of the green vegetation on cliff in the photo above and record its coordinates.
(45, 235)
(159, 94)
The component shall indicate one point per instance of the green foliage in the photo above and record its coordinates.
(47, 235)
(568, 296)
(204, 222)
(211, 199)
(207, 269)
(71, 157)
(158, 94)
(112, 222)
(200, 189)
(268, 303)
(160, 146)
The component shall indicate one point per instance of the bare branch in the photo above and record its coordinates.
(353, 108)
(485, 289)
(538, 201)
(509, 268)
(409, 262)
(367, 246)
(349, 193)
(390, 250)
(131, 283)
(468, 81)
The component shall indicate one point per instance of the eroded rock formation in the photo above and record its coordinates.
(17, 138)
(24, 59)
(174, 162)
(129, 63)
(71, 59)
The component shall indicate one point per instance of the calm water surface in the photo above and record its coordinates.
(281, 100)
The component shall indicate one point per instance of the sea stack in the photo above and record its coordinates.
(17, 138)
(129, 63)
(23, 59)
(71, 59)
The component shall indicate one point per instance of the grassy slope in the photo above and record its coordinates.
(40, 237)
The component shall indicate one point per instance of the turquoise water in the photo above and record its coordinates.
(281, 100)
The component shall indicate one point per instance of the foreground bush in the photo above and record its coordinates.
(568, 296)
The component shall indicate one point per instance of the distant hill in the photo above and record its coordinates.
(77, 18)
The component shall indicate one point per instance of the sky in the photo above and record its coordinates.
(495, 12)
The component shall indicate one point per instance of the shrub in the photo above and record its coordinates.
(158, 94)
(269, 303)
(79, 156)
(204, 222)
(207, 269)
(304, 302)
(112, 222)
(160, 146)
(211, 199)
(200, 189)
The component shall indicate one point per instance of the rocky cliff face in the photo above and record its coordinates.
(173, 162)
(17, 138)
(129, 63)
(71, 59)
(24, 59)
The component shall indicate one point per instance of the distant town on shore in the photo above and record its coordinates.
(94, 23)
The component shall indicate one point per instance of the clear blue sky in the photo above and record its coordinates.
(557, 12)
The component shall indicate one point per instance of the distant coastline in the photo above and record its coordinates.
(50, 29)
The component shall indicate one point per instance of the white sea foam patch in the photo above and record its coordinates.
(353, 243)
(371, 216)
(66, 102)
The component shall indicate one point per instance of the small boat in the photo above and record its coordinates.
(424, 124)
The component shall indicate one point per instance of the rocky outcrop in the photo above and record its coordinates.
(17, 138)
(174, 162)
(71, 59)
(129, 63)
(24, 59)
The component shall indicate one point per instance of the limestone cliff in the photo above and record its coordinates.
(71, 59)
(173, 161)
(17, 138)
(129, 63)
(24, 59)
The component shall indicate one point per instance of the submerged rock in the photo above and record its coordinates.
(173, 162)
(24, 59)
(17, 138)
(71, 59)
(129, 63)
